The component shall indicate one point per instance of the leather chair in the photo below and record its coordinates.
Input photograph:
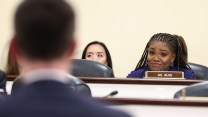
(2, 82)
(77, 85)
(195, 90)
(3, 91)
(87, 68)
(200, 71)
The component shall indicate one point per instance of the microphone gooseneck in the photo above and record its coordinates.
(113, 93)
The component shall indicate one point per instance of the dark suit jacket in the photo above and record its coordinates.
(52, 99)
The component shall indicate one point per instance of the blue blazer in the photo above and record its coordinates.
(52, 99)
(188, 74)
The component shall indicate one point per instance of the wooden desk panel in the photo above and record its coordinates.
(139, 81)
(129, 81)
(161, 102)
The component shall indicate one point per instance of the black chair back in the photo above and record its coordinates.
(200, 71)
(3, 91)
(77, 85)
(195, 90)
(87, 68)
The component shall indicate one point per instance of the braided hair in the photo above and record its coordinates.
(173, 43)
(183, 46)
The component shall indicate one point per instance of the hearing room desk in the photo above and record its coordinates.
(160, 107)
(131, 88)
(136, 88)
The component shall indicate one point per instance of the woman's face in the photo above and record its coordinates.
(160, 56)
(96, 53)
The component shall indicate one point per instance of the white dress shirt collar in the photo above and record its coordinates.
(46, 74)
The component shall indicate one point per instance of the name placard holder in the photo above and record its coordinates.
(164, 75)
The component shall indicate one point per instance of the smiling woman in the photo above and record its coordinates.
(162, 53)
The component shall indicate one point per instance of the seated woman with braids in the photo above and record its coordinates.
(163, 52)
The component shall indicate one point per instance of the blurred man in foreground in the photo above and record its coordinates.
(44, 42)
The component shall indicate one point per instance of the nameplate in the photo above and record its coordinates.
(164, 74)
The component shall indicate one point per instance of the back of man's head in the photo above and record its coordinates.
(44, 28)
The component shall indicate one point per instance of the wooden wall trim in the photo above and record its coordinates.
(129, 81)
(174, 102)
(139, 81)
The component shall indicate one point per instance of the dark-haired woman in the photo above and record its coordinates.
(12, 65)
(162, 53)
(97, 51)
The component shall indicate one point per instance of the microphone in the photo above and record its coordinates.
(111, 94)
